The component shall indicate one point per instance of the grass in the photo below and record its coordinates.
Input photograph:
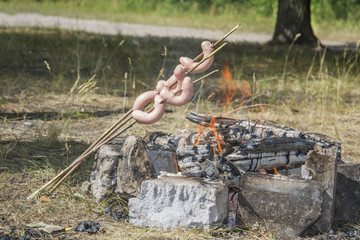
(314, 91)
(66, 210)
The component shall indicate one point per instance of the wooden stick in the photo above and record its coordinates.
(113, 132)
(111, 137)
(218, 41)
(205, 76)
(78, 163)
(206, 58)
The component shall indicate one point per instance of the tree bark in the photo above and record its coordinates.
(294, 17)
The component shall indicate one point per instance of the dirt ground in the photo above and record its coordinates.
(42, 134)
(29, 158)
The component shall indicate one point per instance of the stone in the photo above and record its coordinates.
(121, 166)
(348, 193)
(161, 148)
(287, 205)
(322, 164)
(305, 174)
(79, 196)
(134, 167)
(85, 187)
(172, 202)
(306, 192)
(104, 174)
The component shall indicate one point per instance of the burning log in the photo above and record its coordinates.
(267, 153)
(262, 144)
(203, 161)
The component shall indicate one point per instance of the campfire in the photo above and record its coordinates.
(225, 171)
(227, 158)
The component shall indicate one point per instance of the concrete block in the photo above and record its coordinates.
(172, 202)
(322, 164)
(348, 193)
(161, 149)
(287, 205)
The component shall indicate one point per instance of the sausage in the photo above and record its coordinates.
(142, 101)
(160, 85)
(179, 75)
(188, 63)
(177, 90)
(182, 98)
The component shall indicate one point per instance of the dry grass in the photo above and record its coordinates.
(67, 209)
(42, 131)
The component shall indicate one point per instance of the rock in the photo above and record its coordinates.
(134, 167)
(172, 202)
(161, 148)
(348, 193)
(121, 166)
(288, 205)
(322, 164)
(85, 187)
(79, 196)
(104, 173)
(305, 174)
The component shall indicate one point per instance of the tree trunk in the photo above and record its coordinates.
(294, 17)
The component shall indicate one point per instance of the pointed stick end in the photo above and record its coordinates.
(34, 194)
(236, 27)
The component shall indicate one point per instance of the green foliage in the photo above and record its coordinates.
(322, 9)
(334, 9)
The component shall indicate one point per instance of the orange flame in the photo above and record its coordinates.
(245, 91)
(228, 85)
(217, 136)
(231, 87)
(200, 131)
(211, 125)
(275, 171)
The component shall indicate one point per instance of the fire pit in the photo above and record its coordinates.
(271, 172)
